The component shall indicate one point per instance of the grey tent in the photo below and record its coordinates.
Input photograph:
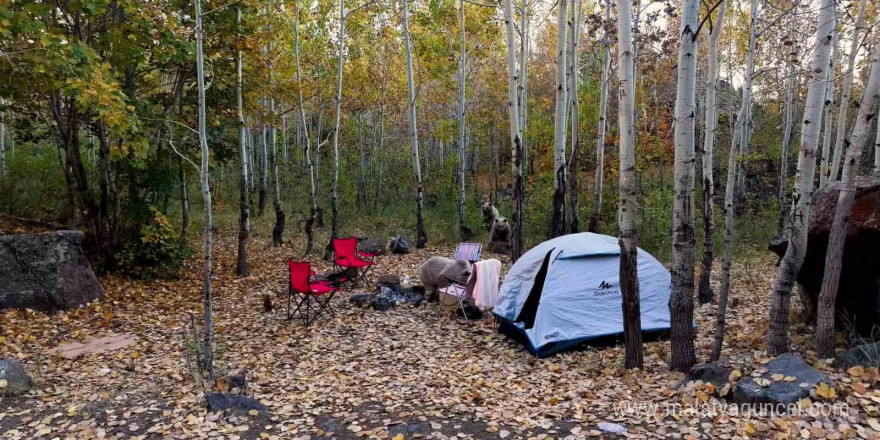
(567, 290)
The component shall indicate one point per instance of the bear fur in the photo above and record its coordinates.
(436, 271)
(490, 213)
(499, 236)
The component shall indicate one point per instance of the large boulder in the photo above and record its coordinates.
(788, 379)
(46, 272)
(13, 377)
(858, 295)
(234, 404)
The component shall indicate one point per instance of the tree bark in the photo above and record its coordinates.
(681, 302)
(574, 68)
(803, 190)
(729, 212)
(782, 179)
(307, 153)
(558, 214)
(334, 190)
(263, 190)
(2, 138)
(184, 202)
(244, 222)
(629, 280)
(877, 150)
(462, 82)
(825, 160)
(710, 129)
(278, 230)
(523, 81)
(825, 340)
(516, 145)
(846, 94)
(207, 361)
(596, 211)
(421, 234)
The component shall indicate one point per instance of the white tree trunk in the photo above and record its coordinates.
(681, 302)
(710, 128)
(629, 280)
(334, 187)
(846, 95)
(557, 221)
(2, 139)
(729, 199)
(462, 82)
(825, 338)
(574, 83)
(782, 179)
(207, 360)
(421, 234)
(825, 160)
(278, 230)
(877, 150)
(307, 153)
(516, 145)
(244, 222)
(523, 77)
(803, 189)
(600, 137)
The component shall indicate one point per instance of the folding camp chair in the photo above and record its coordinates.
(468, 252)
(312, 295)
(458, 291)
(348, 257)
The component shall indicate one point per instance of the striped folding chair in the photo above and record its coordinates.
(468, 252)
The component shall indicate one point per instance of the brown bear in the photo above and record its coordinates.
(437, 271)
(499, 236)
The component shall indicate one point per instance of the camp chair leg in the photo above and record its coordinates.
(463, 313)
(325, 305)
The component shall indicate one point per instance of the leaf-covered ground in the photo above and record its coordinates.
(406, 373)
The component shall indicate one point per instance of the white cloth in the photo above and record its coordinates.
(484, 280)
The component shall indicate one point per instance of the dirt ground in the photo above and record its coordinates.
(406, 373)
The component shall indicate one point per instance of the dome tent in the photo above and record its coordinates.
(567, 290)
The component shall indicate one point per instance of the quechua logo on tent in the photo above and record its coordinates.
(604, 287)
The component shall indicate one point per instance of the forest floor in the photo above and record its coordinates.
(402, 374)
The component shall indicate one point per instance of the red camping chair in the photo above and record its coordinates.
(348, 257)
(312, 295)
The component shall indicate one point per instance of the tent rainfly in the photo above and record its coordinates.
(567, 290)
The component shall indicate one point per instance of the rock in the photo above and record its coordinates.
(717, 373)
(371, 246)
(46, 272)
(13, 378)
(389, 280)
(613, 428)
(780, 391)
(401, 245)
(238, 405)
(866, 355)
(858, 295)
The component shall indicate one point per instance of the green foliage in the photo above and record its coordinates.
(158, 250)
